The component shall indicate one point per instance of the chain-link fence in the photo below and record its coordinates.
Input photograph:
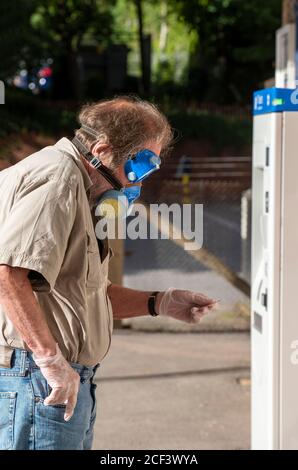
(222, 266)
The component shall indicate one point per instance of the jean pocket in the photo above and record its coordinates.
(7, 417)
(60, 405)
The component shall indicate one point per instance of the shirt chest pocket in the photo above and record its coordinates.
(93, 277)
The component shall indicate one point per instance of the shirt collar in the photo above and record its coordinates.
(65, 145)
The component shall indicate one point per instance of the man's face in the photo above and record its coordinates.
(105, 155)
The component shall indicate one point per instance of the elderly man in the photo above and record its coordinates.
(56, 302)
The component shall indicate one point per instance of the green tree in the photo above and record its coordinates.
(172, 39)
(235, 48)
(15, 34)
(62, 26)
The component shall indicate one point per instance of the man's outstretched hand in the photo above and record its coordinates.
(183, 305)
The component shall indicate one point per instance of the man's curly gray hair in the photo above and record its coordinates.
(126, 123)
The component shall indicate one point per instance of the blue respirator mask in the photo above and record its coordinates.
(118, 202)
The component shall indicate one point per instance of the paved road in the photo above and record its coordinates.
(159, 264)
(222, 232)
(221, 236)
(174, 391)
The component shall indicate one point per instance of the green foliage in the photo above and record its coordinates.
(15, 34)
(220, 130)
(236, 45)
(62, 28)
(33, 30)
(172, 39)
(208, 50)
(203, 50)
(24, 112)
(62, 25)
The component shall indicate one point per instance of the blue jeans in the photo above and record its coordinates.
(26, 423)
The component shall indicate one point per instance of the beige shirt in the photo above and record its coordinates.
(46, 225)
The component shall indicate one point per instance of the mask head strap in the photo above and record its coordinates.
(90, 131)
(97, 164)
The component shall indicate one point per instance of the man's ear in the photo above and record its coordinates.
(103, 152)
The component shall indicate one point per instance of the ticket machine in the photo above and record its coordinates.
(274, 281)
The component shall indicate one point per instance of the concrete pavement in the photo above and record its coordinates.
(174, 391)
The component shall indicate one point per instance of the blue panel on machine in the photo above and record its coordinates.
(275, 100)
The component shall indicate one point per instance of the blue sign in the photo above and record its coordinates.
(275, 100)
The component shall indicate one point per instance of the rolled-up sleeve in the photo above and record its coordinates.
(36, 231)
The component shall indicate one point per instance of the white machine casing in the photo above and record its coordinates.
(274, 282)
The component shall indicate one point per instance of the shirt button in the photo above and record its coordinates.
(37, 399)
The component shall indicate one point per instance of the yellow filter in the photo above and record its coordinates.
(112, 208)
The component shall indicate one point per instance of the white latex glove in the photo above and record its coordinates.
(63, 380)
(183, 305)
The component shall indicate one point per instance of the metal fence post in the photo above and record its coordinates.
(246, 235)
